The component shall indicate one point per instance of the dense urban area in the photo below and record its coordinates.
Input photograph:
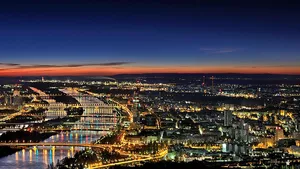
(151, 121)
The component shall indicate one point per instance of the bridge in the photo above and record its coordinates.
(15, 144)
(61, 105)
(47, 96)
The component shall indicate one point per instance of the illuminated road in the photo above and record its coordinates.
(140, 159)
(124, 107)
(13, 115)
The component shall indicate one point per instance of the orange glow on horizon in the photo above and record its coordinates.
(106, 71)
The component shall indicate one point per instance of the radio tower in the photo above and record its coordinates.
(212, 84)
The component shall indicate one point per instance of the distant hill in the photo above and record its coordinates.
(230, 78)
(220, 75)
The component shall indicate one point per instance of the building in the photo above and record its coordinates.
(279, 134)
(16, 93)
(8, 99)
(150, 121)
(227, 118)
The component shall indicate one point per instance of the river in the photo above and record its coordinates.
(97, 118)
(43, 156)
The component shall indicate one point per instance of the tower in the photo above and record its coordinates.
(135, 101)
(212, 84)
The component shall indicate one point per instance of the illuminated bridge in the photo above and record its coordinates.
(61, 105)
(60, 144)
(48, 96)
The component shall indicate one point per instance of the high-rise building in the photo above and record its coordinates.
(227, 118)
(17, 100)
(8, 100)
(136, 103)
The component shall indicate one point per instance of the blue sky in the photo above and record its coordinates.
(152, 33)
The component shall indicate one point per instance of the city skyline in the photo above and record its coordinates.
(49, 38)
(91, 84)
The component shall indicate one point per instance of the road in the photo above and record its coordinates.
(13, 115)
(124, 107)
(159, 155)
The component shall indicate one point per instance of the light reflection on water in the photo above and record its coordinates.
(43, 156)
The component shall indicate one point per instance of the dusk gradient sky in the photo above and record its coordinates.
(89, 37)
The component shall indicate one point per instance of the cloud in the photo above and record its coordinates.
(12, 66)
(219, 50)
(9, 64)
(76, 65)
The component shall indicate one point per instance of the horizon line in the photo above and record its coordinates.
(184, 73)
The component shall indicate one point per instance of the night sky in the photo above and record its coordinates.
(115, 37)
